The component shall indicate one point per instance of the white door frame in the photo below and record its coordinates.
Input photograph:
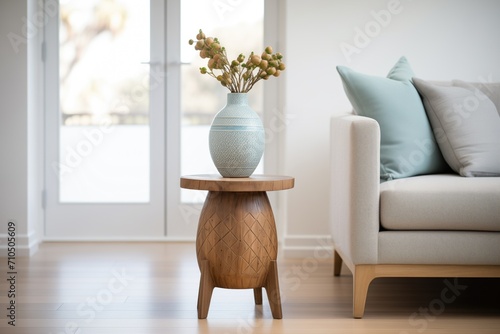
(106, 221)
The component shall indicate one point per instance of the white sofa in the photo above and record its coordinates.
(424, 226)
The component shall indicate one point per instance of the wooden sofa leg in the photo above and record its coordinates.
(337, 263)
(362, 277)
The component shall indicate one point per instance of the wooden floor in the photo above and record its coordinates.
(144, 288)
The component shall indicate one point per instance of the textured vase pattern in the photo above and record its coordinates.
(236, 138)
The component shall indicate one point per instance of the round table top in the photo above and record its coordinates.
(215, 182)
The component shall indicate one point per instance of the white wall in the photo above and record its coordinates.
(442, 39)
(13, 120)
(19, 166)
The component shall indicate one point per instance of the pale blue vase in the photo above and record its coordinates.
(236, 138)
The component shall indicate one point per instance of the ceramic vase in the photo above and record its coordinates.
(236, 138)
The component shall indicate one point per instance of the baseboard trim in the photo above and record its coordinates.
(25, 245)
(119, 239)
(293, 246)
(307, 246)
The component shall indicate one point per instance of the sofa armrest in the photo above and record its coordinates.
(355, 187)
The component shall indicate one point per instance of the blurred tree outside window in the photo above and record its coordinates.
(102, 44)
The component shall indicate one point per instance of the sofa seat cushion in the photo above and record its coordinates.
(441, 202)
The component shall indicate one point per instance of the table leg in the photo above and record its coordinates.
(257, 294)
(205, 291)
(273, 290)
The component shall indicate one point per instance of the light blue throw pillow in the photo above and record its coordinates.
(407, 145)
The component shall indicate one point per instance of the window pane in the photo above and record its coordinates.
(104, 101)
(240, 28)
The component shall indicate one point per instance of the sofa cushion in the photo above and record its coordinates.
(490, 89)
(439, 247)
(466, 127)
(407, 145)
(441, 202)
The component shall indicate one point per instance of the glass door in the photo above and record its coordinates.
(120, 131)
(240, 27)
(105, 120)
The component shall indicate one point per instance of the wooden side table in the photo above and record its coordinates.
(236, 242)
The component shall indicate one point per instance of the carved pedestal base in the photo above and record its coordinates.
(236, 244)
(237, 247)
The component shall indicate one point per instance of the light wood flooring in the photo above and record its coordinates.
(143, 288)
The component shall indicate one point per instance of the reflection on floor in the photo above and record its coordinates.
(152, 288)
